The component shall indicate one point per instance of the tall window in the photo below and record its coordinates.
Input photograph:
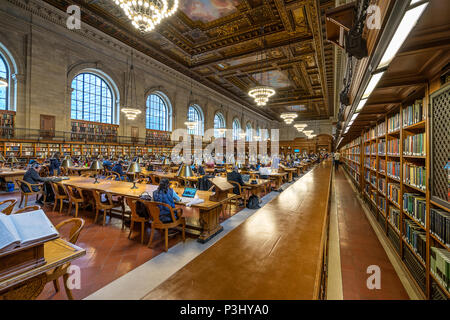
(195, 114)
(236, 129)
(248, 132)
(219, 122)
(158, 113)
(92, 99)
(4, 73)
(258, 133)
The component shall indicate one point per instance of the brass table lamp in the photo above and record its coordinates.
(96, 165)
(134, 168)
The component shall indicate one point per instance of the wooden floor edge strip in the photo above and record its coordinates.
(334, 280)
(405, 278)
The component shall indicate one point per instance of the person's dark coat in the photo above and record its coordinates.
(236, 177)
(55, 164)
(31, 176)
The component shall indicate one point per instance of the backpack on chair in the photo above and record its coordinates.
(253, 202)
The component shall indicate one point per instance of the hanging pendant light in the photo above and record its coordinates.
(300, 126)
(145, 15)
(262, 93)
(130, 109)
(288, 117)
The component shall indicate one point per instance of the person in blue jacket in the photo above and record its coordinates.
(55, 164)
(167, 195)
(118, 168)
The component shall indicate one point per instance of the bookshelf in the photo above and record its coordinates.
(395, 183)
(93, 131)
(7, 122)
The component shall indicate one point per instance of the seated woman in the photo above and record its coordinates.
(167, 195)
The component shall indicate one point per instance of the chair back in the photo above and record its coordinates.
(152, 207)
(58, 189)
(10, 206)
(74, 193)
(98, 198)
(132, 204)
(21, 183)
(77, 225)
(234, 183)
(27, 209)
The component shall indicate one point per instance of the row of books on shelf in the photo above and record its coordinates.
(394, 122)
(369, 134)
(381, 203)
(381, 129)
(416, 237)
(393, 169)
(382, 185)
(440, 265)
(415, 145)
(382, 165)
(382, 147)
(393, 192)
(413, 114)
(415, 206)
(414, 175)
(393, 147)
(394, 217)
(440, 225)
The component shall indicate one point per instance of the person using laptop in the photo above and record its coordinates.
(166, 195)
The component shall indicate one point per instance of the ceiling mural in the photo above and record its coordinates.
(275, 79)
(208, 10)
(220, 43)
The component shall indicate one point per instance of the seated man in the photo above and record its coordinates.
(32, 176)
(236, 177)
(199, 170)
(118, 168)
(55, 164)
(107, 164)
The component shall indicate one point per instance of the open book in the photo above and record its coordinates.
(18, 230)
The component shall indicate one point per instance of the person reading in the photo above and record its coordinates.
(236, 177)
(166, 195)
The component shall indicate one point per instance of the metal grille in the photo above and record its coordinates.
(414, 266)
(393, 236)
(436, 292)
(440, 137)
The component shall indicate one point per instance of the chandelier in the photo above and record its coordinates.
(191, 124)
(262, 93)
(146, 14)
(288, 117)
(221, 130)
(300, 126)
(129, 109)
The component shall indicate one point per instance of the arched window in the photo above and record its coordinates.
(248, 132)
(4, 92)
(158, 113)
(92, 99)
(236, 129)
(258, 133)
(195, 114)
(219, 122)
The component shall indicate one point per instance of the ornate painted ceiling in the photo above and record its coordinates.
(220, 43)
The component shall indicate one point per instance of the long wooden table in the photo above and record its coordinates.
(277, 253)
(28, 285)
(208, 225)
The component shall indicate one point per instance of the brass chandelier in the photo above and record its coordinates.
(145, 15)
(288, 117)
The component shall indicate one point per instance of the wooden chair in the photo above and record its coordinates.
(105, 206)
(76, 198)
(27, 209)
(112, 176)
(61, 271)
(23, 194)
(60, 195)
(10, 206)
(155, 179)
(135, 218)
(241, 196)
(153, 208)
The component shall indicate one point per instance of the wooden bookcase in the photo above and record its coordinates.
(7, 123)
(384, 177)
(94, 131)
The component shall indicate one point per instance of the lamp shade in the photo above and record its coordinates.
(96, 165)
(66, 163)
(185, 171)
(140, 160)
(134, 167)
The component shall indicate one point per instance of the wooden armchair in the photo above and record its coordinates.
(135, 218)
(77, 225)
(107, 206)
(10, 203)
(155, 179)
(153, 208)
(241, 196)
(76, 198)
(60, 195)
(113, 176)
(21, 183)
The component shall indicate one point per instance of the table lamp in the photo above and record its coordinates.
(66, 163)
(134, 168)
(185, 171)
(12, 160)
(96, 165)
(140, 160)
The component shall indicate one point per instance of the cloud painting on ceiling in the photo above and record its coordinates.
(208, 10)
(274, 78)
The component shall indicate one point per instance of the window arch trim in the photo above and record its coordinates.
(167, 104)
